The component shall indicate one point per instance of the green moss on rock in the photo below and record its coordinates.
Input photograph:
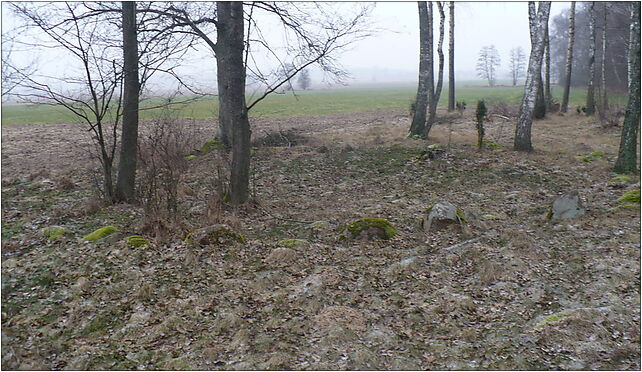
(212, 235)
(136, 241)
(100, 233)
(54, 232)
(292, 243)
(212, 145)
(191, 157)
(553, 318)
(371, 226)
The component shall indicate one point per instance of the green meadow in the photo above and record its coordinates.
(311, 102)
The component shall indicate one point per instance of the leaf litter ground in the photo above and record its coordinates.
(519, 293)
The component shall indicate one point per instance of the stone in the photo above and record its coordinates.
(81, 285)
(54, 232)
(566, 207)
(440, 215)
(100, 233)
(370, 228)
(280, 255)
(213, 235)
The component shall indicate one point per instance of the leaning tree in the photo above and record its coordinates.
(537, 25)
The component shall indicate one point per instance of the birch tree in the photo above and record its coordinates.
(451, 58)
(604, 101)
(569, 59)
(627, 156)
(590, 92)
(434, 101)
(547, 72)
(537, 24)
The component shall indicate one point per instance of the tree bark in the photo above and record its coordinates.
(537, 23)
(231, 81)
(604, 104)
(569, 58)
(432, 115)
(125, 184)
(590, 93)
(547, 72)
(627, 156)
(451, 58)
(426, 78)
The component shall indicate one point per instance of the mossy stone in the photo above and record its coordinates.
(191, 157)
(292, 243)
(54, 232)
(212, 145)
(621, 178)
(213, 235)
(553, 318)
(371, 226)
(136, 241)
(100, 233)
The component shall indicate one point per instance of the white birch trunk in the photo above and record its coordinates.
(538, 22)
(569, 58)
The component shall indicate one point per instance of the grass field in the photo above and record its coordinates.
(313, 102)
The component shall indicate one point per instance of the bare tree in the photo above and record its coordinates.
(604, 101)
(569, 58)
(517, 64)
(487, 64)
(627, 156)
(126, 181)
(537, 25)
(434, 101)
(426, 78)
(590, 93)
(451, 58)
(304, 80)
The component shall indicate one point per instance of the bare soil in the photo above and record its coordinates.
(519, 292)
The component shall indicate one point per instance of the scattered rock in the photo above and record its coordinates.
(54, 232)
(214, 235)
(281, 255)
(100, 233)
(440, 215)
(565, 207)
(136, 241)
(371, 228)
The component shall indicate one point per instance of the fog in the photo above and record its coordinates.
(389, 56)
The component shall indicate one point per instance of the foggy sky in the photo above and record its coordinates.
(392, 54)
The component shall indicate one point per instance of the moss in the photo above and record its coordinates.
(100, 233)
(461, 216)
(631, 197)
(585, 159)
(597, 154)
(54, 232)
(621, 178)
(553, 318)
(385, 229)
(292, 243)
(191, 157)
(429, 209)
(136, 241)
(549, 212)
(212, 145)
(213, 235)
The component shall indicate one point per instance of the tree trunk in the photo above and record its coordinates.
(125, 184)
(451, 58)
(604, 104)
(426, 78)
(547, 73)
(432, 115)
(590, 94)
(627, 156)
(569, 58)
(537, 23)
(231, 81)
